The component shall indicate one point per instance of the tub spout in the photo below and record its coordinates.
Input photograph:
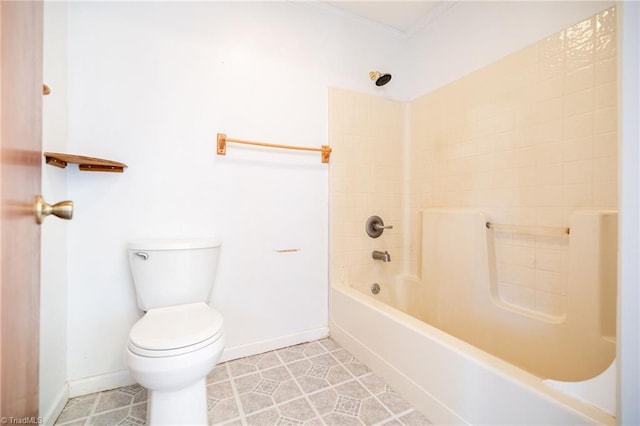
(381, 255)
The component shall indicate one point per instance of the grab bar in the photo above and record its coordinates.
(540, 230)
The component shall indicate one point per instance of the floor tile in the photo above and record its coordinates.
(111, 418)
(298, 410)
(113, 399)
(78, 408)
(218, 374)
(414, 418)
(394, 402)
(312, 384)
(372, 411)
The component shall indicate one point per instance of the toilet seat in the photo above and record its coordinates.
(175, 330)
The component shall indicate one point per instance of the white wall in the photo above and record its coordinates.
(150, 84)
(629, 268)
(53, 285)
(469, 35)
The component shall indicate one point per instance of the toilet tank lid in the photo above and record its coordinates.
(174, 244)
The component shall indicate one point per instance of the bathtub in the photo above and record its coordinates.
(451, 380)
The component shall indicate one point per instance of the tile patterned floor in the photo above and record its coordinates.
(315, 383)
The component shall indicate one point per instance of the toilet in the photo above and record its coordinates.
(180, 338)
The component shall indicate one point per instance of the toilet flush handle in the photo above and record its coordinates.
(142, 254)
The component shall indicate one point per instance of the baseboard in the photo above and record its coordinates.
(123, 378)
(99, 383)
(50, 414)
(239, 351)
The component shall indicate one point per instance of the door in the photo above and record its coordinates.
(20, 163)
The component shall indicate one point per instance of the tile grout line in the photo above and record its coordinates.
(94, 408)
(133, 397)
(256, 371)
(282, 364)
(92, 413)
(392, 414)
(294, 378)
(357, 379)
(332, 385)
(395, 417)
(404, 413)
(353, 377)
(236, 396)
(304, 393)
(340, 363)
(87, 417)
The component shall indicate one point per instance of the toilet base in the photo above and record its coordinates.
(187, 406)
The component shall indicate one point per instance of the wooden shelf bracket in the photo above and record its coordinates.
(86, 164)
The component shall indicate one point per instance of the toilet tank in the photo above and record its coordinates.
(173, 272)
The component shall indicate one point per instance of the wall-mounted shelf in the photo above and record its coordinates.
(86, 164)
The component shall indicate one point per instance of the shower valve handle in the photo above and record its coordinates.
(375, 226)
(378, 227)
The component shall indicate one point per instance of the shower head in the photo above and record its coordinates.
(379, 78)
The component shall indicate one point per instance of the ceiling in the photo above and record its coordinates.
(402, 16)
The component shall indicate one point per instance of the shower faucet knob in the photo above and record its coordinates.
(375, 226)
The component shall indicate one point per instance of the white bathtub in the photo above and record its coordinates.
(449, 380)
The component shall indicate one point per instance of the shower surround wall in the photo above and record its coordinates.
(530, 139)
(366, 179)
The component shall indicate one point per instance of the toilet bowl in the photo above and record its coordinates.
(173, 347)
(170, 352)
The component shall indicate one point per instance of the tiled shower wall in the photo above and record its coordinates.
(366, 178)
(530, 139)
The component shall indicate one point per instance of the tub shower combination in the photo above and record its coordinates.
(459, 344)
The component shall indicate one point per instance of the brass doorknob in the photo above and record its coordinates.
(63, 209)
